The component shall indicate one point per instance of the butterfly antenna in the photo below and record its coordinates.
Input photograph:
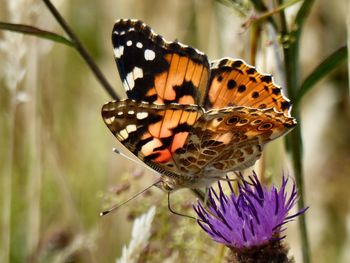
(180, 214)
(133, 160)
(115, 207)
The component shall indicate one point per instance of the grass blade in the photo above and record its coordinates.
(325, 67)
(30, 30)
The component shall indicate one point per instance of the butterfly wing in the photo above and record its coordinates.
(152, 132)
(157, 71)
(243, 132)
(234, 83)
(192, 145)
(163, 123)
(230, 139)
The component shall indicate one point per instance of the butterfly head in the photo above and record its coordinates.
(172, 183)
(167, 184)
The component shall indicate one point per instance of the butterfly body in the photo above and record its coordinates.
(190, 120)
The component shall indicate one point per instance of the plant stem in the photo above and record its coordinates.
(34, 167)
(291, 39)
(82, 51)
(6, 178)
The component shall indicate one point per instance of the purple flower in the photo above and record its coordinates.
(254, 217)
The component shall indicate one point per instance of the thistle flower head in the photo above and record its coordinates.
(251, 218)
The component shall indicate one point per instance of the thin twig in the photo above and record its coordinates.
(82, 51)
(269, 13)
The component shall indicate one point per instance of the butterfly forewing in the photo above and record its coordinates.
(152, 132)
(157, 71)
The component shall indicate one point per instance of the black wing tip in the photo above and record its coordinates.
(122, 26)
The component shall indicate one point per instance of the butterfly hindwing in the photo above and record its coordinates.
(230, 139)
(157, 71)
(243, 132)
(235, 83)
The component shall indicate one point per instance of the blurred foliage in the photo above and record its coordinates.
(58, 151)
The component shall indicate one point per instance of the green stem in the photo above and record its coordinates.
(291, 39)
(82, 51)
(296, 147)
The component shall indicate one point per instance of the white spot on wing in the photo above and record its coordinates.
(137, 72)
(139, 45)
(120, 113)
(124, 134)
(129, 83)
(131, 112)
(110, 120)
(129, 43)
(118, 52)
(131, 128)
(141, 115)
(149, 54)
(126, 85)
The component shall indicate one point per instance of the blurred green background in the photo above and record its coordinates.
(57, 167)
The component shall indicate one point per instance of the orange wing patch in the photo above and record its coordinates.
(234, 83)
(185, 82)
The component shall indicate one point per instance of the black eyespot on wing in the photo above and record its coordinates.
(285, 105)
(255, 95)
(231, 84)
(276, 91)
(237, 64)
(266, 78)
(242, 88)
(233, 119)
(251, 71)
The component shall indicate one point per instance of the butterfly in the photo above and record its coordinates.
(191, 120)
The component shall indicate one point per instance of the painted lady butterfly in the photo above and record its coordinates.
(191, 120)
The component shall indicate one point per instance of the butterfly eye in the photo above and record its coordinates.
(166, 187)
